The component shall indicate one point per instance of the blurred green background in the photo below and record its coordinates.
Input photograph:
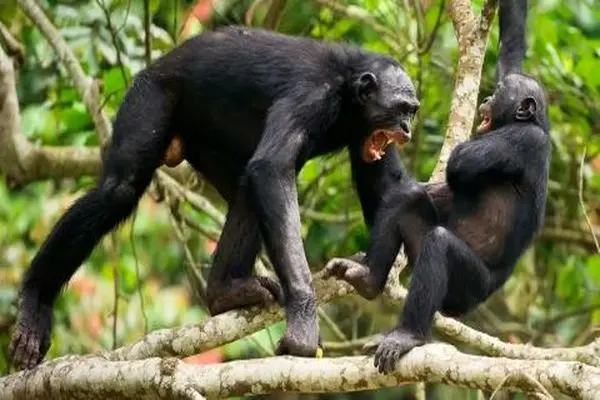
(553, 299)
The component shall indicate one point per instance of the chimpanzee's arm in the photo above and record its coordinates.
(500, 153)
(372, 180)
(270, 181)
(513, 46)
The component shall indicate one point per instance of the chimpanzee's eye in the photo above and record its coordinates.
(407, 107)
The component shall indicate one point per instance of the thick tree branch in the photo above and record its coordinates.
(94, 378)
(432, 363)
(472, 36)
(20, 160)
(225, 328)
(23, 162)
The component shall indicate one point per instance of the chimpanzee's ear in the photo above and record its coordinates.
(365, 85)
(526, 109)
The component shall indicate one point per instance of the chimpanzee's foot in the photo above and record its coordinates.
(358, 275)
(30, 339)
(302, 335)
(391, 347)
(241, 293)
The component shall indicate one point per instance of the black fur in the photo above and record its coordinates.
(488, 211)
(251, 107)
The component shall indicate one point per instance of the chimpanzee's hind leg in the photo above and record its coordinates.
(138, 146)
(230, 283)
(404, 217)
(448, 276)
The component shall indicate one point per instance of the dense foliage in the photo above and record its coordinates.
(553, 298)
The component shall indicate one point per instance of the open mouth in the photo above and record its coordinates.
(375, 145)
(485, 124)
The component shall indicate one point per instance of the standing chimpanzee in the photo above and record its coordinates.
(247, 108)
(489, 209)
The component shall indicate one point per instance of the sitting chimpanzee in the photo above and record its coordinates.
(489, 210)
(247, 108)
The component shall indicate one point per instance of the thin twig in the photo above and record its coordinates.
(570, 314)
(197, 280)
(582, 202)
(175, 4)
(324, 169)
(545, 395)
(331, 218)
(118, 30)
(389, 37)
(114, 39)
(13, 47)
(335, 329)
(137, 272)
(500, 386)
(274, 13)
(349, 345)
(87, 88)
(420, 391)
(115, 262)
(488, 12)
(209, 233)
(147, 34)
(417, 131)
(434, 31)
(249, 15)
(196, 200)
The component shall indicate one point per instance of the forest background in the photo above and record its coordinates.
(150, 273)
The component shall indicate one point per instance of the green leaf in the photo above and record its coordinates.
(593, 268)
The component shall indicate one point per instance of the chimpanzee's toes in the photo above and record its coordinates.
(242, 293)
(337, 266)
(274, 287)
(356, 274)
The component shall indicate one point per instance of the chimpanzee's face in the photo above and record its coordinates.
(517, 98)
(389, 103)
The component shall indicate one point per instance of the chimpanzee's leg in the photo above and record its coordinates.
(138, 146)
(270, 184)
(230, 284)
(405, 215)
(446, 269)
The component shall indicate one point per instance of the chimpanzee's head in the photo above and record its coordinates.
(388, 101)
(517, 99)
